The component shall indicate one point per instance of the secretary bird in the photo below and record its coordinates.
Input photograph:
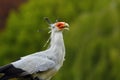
(40, 65)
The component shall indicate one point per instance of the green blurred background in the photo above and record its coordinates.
(92, 44)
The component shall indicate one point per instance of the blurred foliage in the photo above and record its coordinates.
(92, 44)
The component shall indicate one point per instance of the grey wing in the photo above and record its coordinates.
(34, 64)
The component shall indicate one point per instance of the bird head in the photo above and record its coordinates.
(57, 26)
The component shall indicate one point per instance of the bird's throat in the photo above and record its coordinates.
(57, 39)
(57, 46)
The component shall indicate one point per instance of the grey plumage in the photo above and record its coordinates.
(40, 65)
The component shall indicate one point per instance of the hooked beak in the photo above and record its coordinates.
(66, 26)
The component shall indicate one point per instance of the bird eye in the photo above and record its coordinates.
(53, 27)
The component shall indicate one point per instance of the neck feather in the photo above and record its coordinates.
(57, 47)
(56, 39)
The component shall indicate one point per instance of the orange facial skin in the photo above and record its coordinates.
(60, 25)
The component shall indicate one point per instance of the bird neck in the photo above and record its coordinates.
(57, 39)
(57, 46)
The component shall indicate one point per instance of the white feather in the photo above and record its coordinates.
(49, 60)
(33, 63)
